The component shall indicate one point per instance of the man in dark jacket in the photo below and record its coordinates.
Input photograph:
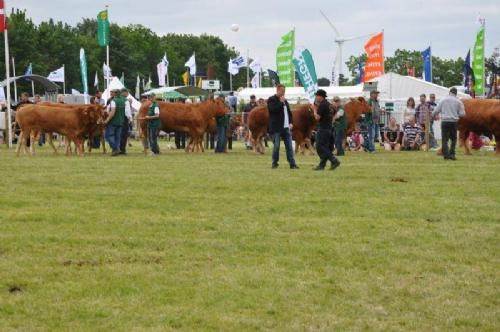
(324, 116)
(280, 125)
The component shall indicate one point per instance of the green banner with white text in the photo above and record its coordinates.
(103, 29)
(304, 66)
(478, 62)
(284, 57)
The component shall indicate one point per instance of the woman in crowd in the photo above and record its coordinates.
(392, 135)
(409, 110)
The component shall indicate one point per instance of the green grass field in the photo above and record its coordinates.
(221, 242)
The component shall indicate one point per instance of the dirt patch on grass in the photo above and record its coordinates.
(399, 180)
(15, 289)
(124, 260)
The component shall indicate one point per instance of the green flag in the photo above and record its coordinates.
(83, 70)
(304, 66)
(284, 56)
(478, 61)
(103, 28)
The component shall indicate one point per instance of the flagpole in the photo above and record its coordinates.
(484, 42)
(383, 52)
(7, 74)
(64, 80)
(230, 82)
(431, 58)
(32, 82)
(248, 68)
(14, 75)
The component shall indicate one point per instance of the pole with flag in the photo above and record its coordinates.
(191, 64)
(3, 28)
(138, 88)
(14, 75)
(103, 35)
(83, 70)
(360, 70)
(96, 81)
(284, 59)
(427, 60)
(29, 72)
(58, 76)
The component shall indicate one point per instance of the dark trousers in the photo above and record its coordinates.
(287, 139)
(339, 141)
(230, 142)
(449, 132)
(323, 139)
(221, 139)
(180, 140)
(124, 136)
(153, 140)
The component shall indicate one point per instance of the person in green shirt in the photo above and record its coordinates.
(154, 125)
(114, 122)
(339, 125)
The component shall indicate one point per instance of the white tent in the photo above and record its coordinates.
(114, 84)
(298, 94)
(393, 86)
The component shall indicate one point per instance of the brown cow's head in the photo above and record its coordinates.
(360, 104)
(219, 107)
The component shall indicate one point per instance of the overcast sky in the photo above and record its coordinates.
(450, 25)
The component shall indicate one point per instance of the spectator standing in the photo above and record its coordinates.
(409, 111)
(222, 123)
(432, 106)
(451, 109)
(339, 125)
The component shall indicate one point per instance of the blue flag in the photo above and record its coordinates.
(360, 69)
(427, 58)
(469, 79)
(29, 70)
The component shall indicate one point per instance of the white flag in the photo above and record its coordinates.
(255, 81)
(148, 85)
(232, 68)
(191, 63)
(75, 92)
(240, 62)
(165, 60)
(106, 72)
(57, 75)
(255, 66)
(96, 80)
(138, 88)
(162, 71)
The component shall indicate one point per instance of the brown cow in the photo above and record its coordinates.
(193, 119)
(482, 116)
(303, 125)
(353, 110)
(73, 122)
(258, 120)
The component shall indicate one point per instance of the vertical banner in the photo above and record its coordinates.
(427, 59)
(83, 71)
(103, 29)
(284, 59)
(374, 66)
(304, 66)
(478, 60)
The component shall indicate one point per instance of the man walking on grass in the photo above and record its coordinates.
(451, 109)
(280, 125)
(324, 115)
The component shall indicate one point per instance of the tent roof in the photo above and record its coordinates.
(172, 95)
(114, 84)
(48, 85)
(395, 86)
(192, 91)
(161, 90)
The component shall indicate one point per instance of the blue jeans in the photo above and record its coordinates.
(287, 138)
(113, 135)
(369, 143)
(221, 139)
(153, 140)
(339, 141)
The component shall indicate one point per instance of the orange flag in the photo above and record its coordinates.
(375, 62)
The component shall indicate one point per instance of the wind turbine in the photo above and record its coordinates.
(340, 40)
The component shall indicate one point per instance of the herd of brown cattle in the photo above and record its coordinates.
(78, 122)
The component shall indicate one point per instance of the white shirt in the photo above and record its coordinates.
(128, 110)
(157, 110)
(286, 124)
(112, 105)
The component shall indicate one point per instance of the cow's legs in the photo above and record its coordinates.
(48, 138)
(103, 142)
(497, 139)
(32, 140)
(20, 143)
(464, 141)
